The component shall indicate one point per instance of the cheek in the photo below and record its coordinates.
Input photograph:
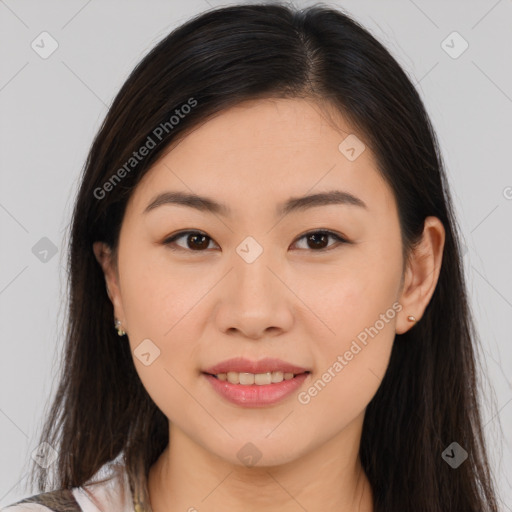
(161, 318)
(158, 297)
(161, 304)
(357, 307)
(351, 362)
(352, 296)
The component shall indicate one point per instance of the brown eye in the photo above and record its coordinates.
(195, 240)
(318, 240)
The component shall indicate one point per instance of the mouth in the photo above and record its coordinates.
(257, 379)
(250, 383)
(256, 389)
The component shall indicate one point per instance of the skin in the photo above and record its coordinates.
(295, 302)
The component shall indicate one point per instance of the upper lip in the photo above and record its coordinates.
(242, 365)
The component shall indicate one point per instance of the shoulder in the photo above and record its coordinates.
(62, 500)
(109, 489)
(26, 507)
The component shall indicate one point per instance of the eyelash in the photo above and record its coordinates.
(181, 234)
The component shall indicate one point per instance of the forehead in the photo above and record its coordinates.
(276, 125)
(264, 149)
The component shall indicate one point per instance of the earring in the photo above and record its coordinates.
(120, 331)
(411, 319)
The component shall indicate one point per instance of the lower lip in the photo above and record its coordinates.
(254, 395)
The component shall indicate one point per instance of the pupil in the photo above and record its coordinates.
(195, 237)
(314, 235)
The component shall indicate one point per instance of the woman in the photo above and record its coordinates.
(261, 366)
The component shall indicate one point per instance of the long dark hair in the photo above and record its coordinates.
(428, 397)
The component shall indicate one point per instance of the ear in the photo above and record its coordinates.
(105, 258)
(422, 274)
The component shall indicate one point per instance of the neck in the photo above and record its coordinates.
(329, 478)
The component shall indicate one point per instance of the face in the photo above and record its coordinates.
(254, 281)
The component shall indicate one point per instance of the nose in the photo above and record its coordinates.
(254, 300)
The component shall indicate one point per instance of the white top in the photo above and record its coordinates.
(112, 495)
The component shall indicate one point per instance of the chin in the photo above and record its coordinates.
(258, 451)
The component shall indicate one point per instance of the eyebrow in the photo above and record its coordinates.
(293, 204)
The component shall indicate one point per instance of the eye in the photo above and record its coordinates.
(197, 241)
(317, 239)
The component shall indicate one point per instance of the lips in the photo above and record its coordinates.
(257, 395)
(242, 365)
(233, 380)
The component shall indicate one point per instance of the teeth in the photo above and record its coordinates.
(277, 377)
(260, 379)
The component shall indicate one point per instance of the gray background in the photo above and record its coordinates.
(51, 108)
